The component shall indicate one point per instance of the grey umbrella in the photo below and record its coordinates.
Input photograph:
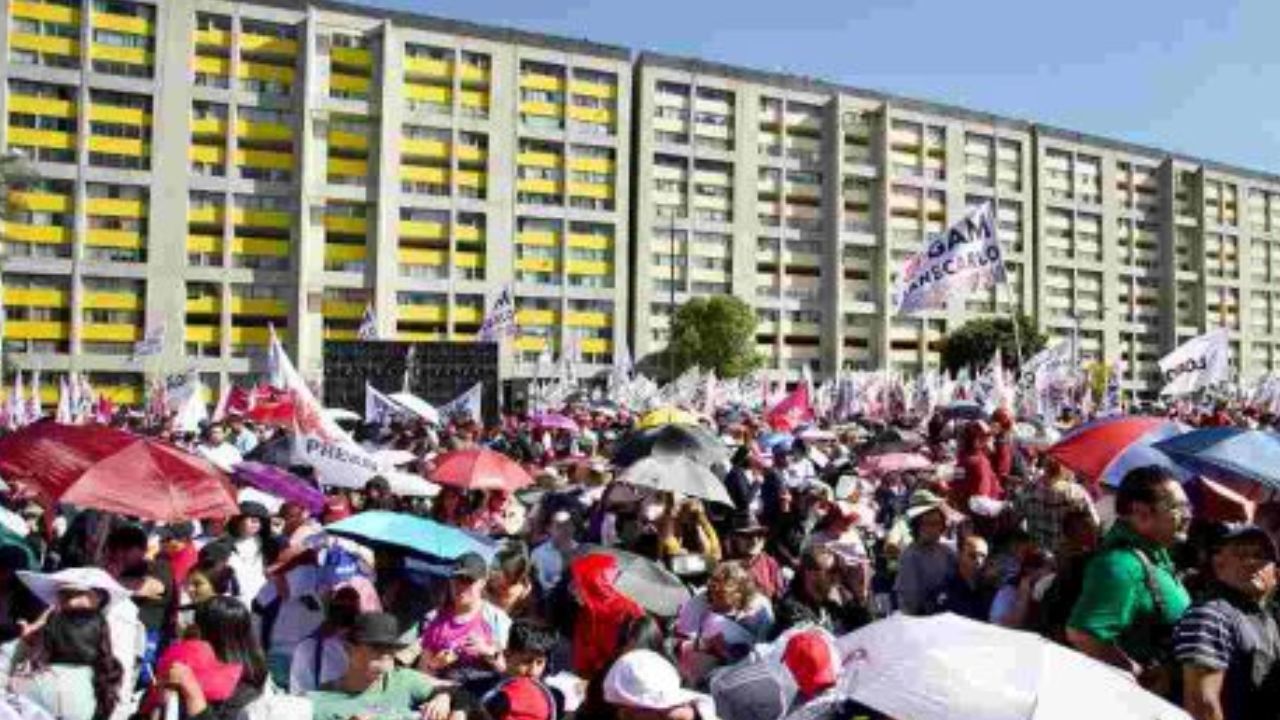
(677, 474)
(650, 585)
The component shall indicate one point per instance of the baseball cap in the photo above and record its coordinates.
(644, 680)
(811, 661)
(377, 629)
(521, 699)
(1243, 532)
(470, 566)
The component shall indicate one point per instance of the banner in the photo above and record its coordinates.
(151, 344)
(378, 408)
(466, 406)
(1197, 363)
(967, 257)
(500, 320)
(339, 464)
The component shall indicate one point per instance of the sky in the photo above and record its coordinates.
(1198, 77)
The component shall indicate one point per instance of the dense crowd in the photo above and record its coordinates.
(265, 614)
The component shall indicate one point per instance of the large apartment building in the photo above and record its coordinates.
(214, 167)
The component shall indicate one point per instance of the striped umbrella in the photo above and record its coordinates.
(1104, 451)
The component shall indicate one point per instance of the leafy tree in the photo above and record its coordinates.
(715, 333)
(973, 344)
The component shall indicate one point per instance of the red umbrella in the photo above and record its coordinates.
(106, 469)
(1105, 450)
(480, 469)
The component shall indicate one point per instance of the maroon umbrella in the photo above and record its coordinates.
(98, 467)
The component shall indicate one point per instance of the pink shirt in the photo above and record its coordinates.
(449, 632)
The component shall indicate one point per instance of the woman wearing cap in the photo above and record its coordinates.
(254, 549)
(643, 685)
(978, 477)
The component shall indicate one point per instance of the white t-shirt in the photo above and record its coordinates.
(302, 672)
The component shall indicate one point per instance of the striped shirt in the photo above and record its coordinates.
(1241, 639)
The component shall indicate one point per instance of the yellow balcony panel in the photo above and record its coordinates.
(213, 38)
(209, 126)
(268, 73)
(127, 55)
(119, 115)
(474, 74)
(36, 330)
(588, 164)
(598, 116)
(120, 394)
(539, 159)
(268, 45)
(536, 264)
(348, 140)
(423, 230)
(530, 343)
(48, 44)
(345, 166)
(37, 234)
(113, 207)
(342, 309)
(267, 307)
(201, 334)
(590, 242)
(352, 57)
(596, 90)
(112, 301)
(589, 267)
(345, 223)
(428, 67)
(123, 23)
(215, 154)
(543, 109)
(253, 335)
(471, 153)
(475, 98)
(52, 139)
(37, 297)
(467, 314)
(588, 319)
(418, 256)
(425, 173)
(591, 190)
(262, 218)
(463, 337)
(59, 14)
(123, 239)
(420, 313)
(468, 234)
(468, 260)
(538, 238)
(203, 243)
(349, 83)
(40, 202)
(422, 147)
(341, 334)
(550, 83)
(213, 65)
(264, 159)
(110, 333)
(205, 215)
(260, 247)
(536, 185)
(337, 252)
(207, 305)
(440, 94)
(269, 131)
(471, 178)
(118, 146)
(595, 345)
(48, 107)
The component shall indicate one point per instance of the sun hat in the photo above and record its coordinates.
(644, 680)
(924, 501)
(47, 586)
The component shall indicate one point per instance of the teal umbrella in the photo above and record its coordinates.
(413, 535)
(1227, 453)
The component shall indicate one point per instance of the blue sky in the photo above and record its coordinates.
(1201, 77)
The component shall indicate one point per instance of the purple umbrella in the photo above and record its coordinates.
(281, 483)
(553, 421)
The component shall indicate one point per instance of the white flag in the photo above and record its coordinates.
(151, 344)
(500, 320)
(967, 257)
(368, 329)
(378, 408)
(64, 402)
(34, 409)
(466, 406)
(17, 402)
(1197, 363)
(308, 412)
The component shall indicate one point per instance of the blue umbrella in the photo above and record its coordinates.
(1228, 453)
(775, 440)
(420, 537)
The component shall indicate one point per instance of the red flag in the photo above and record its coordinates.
(793, 411)
(269, 406)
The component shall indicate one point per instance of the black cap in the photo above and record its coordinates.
(178, 532)
(1243, 532)
(470, 566)
(377, 629)
(745, 523)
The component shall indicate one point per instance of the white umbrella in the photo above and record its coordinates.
(392, 458)
(341, 415)
(950, 668)
(417, 406)
(405, 484)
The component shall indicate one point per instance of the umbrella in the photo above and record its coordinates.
(114, 471)
(417, 536)
(677, 475)
(814, 434)
(389, 457)
(1228, 453)
(405, 484)
(479, 469)
(341, 415)
(650, 585)
(276, 451)
(281, 483)
(692, 441)
(553, 421)
(667, 416)
(965, 410)
(774, 440)
(945, 667)
(1105, 450)
(417, 406)
(894, 463)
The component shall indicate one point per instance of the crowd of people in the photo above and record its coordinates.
(264, 614)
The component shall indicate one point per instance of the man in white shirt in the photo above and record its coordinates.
(215, 448)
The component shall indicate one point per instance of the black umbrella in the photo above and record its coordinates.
(650, 585)
(677, 475)
(277, 451)
(965, 410)
(691, 441)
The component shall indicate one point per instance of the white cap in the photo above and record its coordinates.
(645, 680)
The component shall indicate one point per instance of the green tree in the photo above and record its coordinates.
(715, 333)
(973, 344)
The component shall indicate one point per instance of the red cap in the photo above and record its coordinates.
(522, 699)
(811, 661)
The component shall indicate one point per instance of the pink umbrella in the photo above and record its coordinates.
(894, 463)
(553, 421)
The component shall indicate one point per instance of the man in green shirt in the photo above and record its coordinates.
(373, 687)
(1132, 597)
